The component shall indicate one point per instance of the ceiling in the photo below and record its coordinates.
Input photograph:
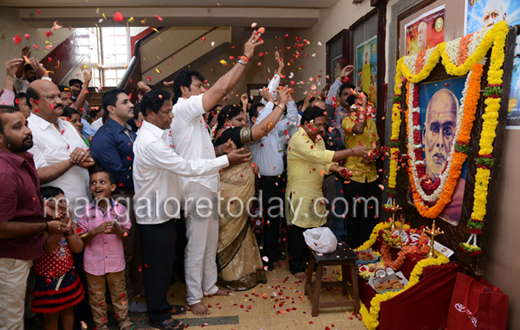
(87, 13)
(167, 3)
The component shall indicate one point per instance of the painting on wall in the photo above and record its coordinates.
(438, 126)
(336, 66)
(482, 14)
(427, 31)
(366, 66)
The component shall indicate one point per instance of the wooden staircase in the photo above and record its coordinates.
(94, 98)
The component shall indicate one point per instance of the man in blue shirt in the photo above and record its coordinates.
(112, 146)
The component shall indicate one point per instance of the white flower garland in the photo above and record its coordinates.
(452, 49)
(409, 61)
(476, 39)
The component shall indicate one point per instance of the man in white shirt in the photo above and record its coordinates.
(60, 154)
(157, 201)
(192, 141)
(25, 74)
(268, 153)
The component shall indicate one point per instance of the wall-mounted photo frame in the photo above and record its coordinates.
(443, 174)
(337, 54)
(486, 13)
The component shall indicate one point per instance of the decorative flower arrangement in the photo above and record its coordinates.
(458, 57)
(375, 234)
(422, 246)
(387, 257)
(371, 318)
(492, 93)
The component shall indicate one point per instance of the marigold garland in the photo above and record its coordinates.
(470, 108)
(471, 102)
(422, 246)
(463, 49)
(387, 257)
(371, 318)
(476, 57)
(373, 237)
(487, 137)
(493, 37)
(419, 62)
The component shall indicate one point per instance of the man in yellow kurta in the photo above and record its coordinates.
(307, 162)
(360, 130)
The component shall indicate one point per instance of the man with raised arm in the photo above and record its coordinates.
(335, 115)
(155, 175)
(268, 153)
(25, 74)
(192, 141)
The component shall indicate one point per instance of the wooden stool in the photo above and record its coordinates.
(344, 257)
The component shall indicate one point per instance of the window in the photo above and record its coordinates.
(110, 54)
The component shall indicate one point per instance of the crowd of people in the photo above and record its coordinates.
(178, 184)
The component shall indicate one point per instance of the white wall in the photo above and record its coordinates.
(135, 30)
(254, 73)
(331, 22)
(10, 25)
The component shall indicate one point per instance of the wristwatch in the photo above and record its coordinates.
(220, 150)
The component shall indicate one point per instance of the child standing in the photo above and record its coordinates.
(57, 287)
(104, 223)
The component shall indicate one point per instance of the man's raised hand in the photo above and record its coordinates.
(11, 66)
(254, 41)
(346, 71)
(26, 52)
(268, 97)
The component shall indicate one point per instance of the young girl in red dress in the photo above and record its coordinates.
(57, 287)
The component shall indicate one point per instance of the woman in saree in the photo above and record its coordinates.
(238, 257)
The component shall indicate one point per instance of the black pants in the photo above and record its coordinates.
(299, 252)
(82, 310)
(180, 245)
(158, 254)
(271, 189)
(361, 224)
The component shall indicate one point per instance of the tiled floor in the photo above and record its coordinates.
(279, 304)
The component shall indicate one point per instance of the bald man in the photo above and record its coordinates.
(439, 131)
(60, 154)
(422, 35)
(494, 12)
(438, 134)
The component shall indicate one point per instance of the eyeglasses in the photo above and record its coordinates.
(324, 125)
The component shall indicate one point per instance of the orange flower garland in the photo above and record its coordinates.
(470, 108)
(421, 247)
(463, 49)
(471, 102)
(419, 62)
(387, 257)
